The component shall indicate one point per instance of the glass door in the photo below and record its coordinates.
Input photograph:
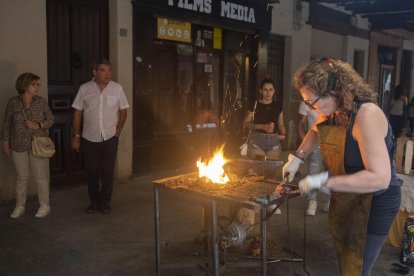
(386, 84)
(206, 90)
(235, 98)
(173, 87)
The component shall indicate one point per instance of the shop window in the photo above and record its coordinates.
(207, 101)
(275, 63)
(236, 77)
(386, 84)
(173, 89)
(359, 61)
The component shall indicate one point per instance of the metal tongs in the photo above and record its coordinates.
(283, 182)
(280, 189)
(276, 193)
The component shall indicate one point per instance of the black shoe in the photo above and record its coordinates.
(104, 208)
(92, 208)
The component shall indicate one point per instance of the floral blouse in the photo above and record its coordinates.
(14, 130)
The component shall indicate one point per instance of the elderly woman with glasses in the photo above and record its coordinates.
(356, 142)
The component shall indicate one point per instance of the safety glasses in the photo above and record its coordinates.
(312, 104)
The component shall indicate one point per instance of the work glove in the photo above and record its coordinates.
(314, 182)
(291, 167)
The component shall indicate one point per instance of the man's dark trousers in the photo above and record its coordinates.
(99, 160)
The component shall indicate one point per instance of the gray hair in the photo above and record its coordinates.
(100, 62)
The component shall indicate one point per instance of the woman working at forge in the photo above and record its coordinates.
(356, 142)
(265, 121)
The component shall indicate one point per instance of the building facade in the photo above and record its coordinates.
(195, 68)
(188, 67)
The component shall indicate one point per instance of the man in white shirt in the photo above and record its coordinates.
(102, 105)
(307, 118)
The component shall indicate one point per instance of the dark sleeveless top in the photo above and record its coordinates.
(352, 156)
(266, 113)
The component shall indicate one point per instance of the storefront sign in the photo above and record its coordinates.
(173, 30)
(227, 9)
(243, 15)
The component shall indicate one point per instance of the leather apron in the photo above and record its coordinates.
(348, 212)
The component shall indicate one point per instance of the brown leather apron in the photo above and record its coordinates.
(349, 212)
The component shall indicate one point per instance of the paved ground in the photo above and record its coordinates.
(69, 242)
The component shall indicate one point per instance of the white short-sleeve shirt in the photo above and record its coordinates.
(100, 109)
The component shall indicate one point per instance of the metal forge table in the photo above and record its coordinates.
(236, 191)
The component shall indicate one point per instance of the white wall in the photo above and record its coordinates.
(353, 44)
(120, 54)
(303, 43)
(23, 48)
(408, 45)
(325, 44)
(287, 22)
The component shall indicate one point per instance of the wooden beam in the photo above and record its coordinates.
(387, 39)
(400, 33)
(381, 25)
(379, 6)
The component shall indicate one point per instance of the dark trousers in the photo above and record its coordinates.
(397, 124)
(411, 120)
(99, 160)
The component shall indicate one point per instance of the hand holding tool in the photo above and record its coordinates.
(314, 182)
(280, 189)
(291, 167)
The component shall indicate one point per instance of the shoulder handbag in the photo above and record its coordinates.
(244, 146)
(42, 146)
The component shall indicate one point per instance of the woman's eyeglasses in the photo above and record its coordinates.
(312, 104)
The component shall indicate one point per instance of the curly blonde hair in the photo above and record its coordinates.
(329, 77)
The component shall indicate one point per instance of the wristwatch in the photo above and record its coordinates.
(300, 154)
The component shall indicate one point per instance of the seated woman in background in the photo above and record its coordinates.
(265, 121)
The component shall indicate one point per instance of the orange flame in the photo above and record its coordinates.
(213, 170)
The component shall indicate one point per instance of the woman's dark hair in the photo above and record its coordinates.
(24, 80)
(398, 92)
(265, 81)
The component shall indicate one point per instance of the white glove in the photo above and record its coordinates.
(291, 167)
(314, 182)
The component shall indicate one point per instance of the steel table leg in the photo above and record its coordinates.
(263, 250)
(214, 244)
(157, 231)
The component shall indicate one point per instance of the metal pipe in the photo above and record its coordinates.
(263, 248)
(157, 231)
(214, 244)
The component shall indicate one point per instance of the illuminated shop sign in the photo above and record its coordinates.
(235, 14)
(173, 30)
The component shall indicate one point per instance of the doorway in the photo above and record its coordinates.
(77, 35)
(386, 84)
